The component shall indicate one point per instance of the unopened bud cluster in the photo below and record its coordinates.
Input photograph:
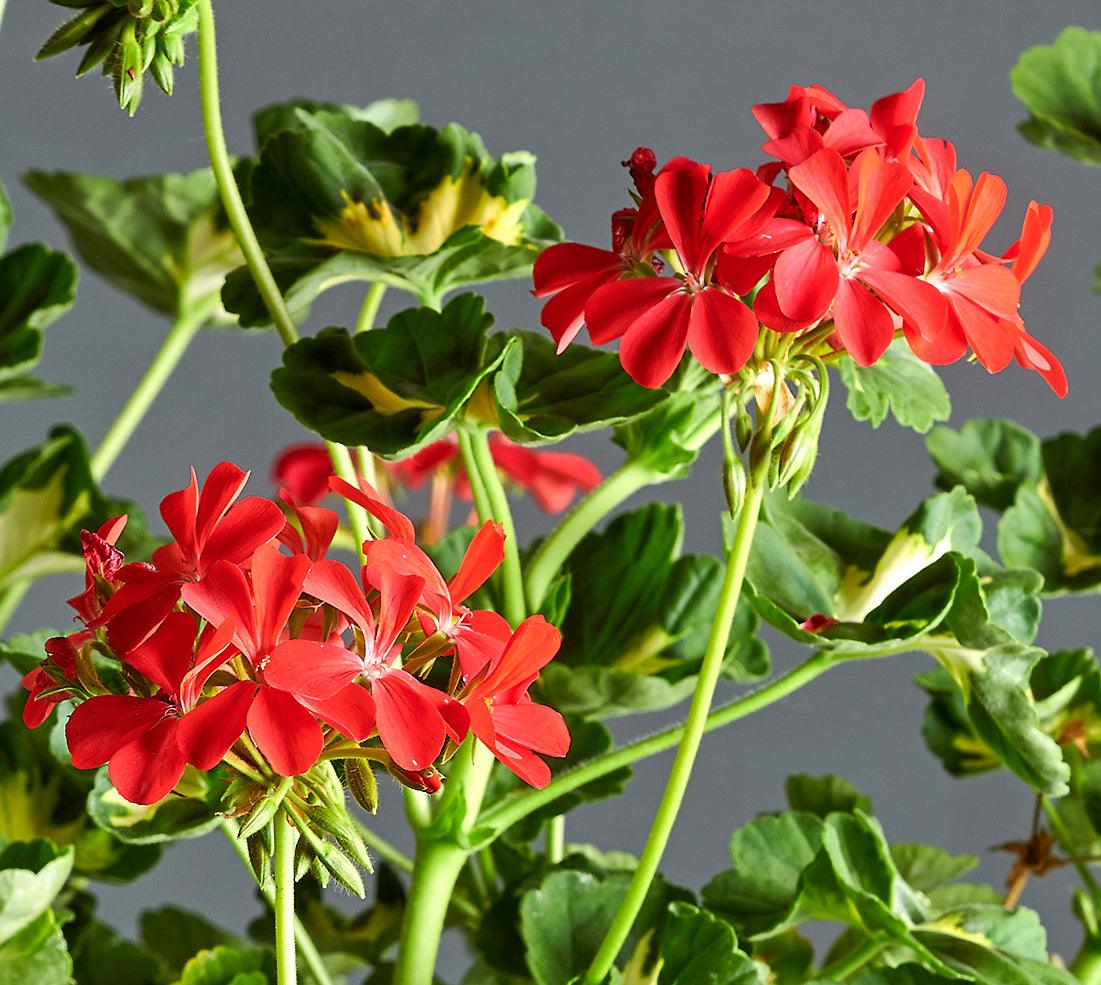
(127, 38)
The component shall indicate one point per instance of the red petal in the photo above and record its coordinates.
(222, 487)
(1032, 355)
(208, 732)
(823, 179)
(319, 525)
(985, 204)
(276, 586)
(1034, 241)
(409, 725)
(805, 280)
(351, 711)
(864, 325)
(248, 524)
(947, 347)
(166, 656)
(530, 649)
(680, 190)
(224, 594)
(102, 725)
(880, 187)
(285, 732)
(613, 308)
(894, 118)
(146, 770)
(533, 726)
(722, 331)
(396, 522)
(733, 198)
(335, 585)
(318, 670)
(851, 132)
(482, 558)
(563, 264)
(767, 310)
(481, 641)
(990, 286)
(992, 339)
(564, 314)
(304, 469)
(178, 512)
(916, 301)
(654, 343)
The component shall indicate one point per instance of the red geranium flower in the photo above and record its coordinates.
(102, 562)
(413, 719)
(280, 719)
(149, 741)
(658, 317)
(303, 470)
(569, 273)
(837, 264)
(502, 714)
(208, 528)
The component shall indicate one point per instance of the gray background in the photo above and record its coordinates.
(582, 84)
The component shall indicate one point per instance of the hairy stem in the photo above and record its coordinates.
(556, 839)
(345, 467)
(168, 356)
(369, 309)
(694, 727)
(286, 967)
(227, 184)
(311, 957)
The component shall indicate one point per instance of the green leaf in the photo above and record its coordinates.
(25, 651)
(170, 819)
(823, 795)
(336, 197)
(636, 629)
(837, 584)
(37, 286)
(990, 459)
(898, 384)
(46, 495)
(386, 114)
(926, 867)
(32, 873)
(100, 955)
(667, 439)
(1060, 85)
(41, 796)
(163, 239)
(544, 396)
(229, 966)
(769, 855)
(698, 948)
(36, 954)
(983, 713)
(565, 918)
(396, 388)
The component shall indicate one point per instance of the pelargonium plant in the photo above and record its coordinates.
(271, 655)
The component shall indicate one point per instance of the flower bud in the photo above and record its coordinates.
(734, 485)
(362, 783)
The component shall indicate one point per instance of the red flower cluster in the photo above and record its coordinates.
(242, 626)
(860, 223)
(553, 478)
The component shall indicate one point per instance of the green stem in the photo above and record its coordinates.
(345, 467)
(556, 839)
(168, 356)
(628, 479)
(694, 727)
(227, 184)
(853, 961)
(436, 870)
(308, 951)
(371, 301)
(286, 967)
(10, 598)
(480, 459)
(1063, 835)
